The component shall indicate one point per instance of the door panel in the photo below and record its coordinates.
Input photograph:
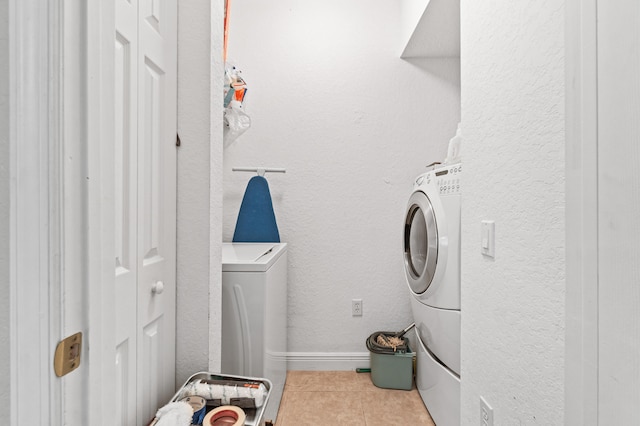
(125, 195)
(125, 411)
(152, 11)
(151, 367)
(150, 165)
(157, 204)
(125, 208)
(145, 186)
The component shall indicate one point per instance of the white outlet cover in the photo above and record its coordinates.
(356, 307)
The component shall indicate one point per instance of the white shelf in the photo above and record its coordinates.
(431, 28)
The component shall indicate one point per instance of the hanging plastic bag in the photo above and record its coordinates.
(236, 120)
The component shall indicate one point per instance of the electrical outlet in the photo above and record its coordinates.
(486, 413)
(356, 307)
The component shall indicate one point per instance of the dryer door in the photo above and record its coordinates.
(420, 243)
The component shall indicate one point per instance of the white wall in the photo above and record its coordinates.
(4, 209)
(513, 127)
(410, 13)
(199, 212)
(353, 124)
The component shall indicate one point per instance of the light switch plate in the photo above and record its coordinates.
(486, 413)
(488, 238)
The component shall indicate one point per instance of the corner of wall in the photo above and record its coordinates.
(4, 212)
(199, 187)
(216, 187)
(513, 306)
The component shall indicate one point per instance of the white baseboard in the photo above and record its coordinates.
(327, 361)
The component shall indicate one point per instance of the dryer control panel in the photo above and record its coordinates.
(446, 179)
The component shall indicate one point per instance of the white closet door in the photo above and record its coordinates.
(618, 211)
(126, 195)
(157, 115)
(145, 206)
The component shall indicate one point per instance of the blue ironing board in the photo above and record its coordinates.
(256, 219)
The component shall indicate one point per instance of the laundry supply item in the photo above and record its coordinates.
(255, 415)
(199, 405)
(391, 361)
(174, 414)
(386, 342)
(256, 219)
(245, 395)
(236, 120)
(227, 415)
(453, 152)
(405, 330)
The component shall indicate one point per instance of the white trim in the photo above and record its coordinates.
(327, 361)
(34, 30)
(100, 192)
(581, 354)
(56, 200)
(215, 185)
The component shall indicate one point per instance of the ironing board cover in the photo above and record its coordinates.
(256, 219)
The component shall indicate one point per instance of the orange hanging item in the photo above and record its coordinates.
(227, 3)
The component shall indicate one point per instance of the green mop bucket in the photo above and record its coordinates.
(391, 369)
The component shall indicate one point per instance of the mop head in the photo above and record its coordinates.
(385, 342)
(174, 414)
(390, 341)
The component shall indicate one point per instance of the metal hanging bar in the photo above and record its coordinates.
(260, 170)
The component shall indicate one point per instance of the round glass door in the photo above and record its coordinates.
(420, 243)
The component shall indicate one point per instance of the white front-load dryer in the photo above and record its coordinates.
(432, 238)
(432, 270)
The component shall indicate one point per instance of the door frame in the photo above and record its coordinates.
(45, 86)
(581, 218)
(100, 134)
(35, 184)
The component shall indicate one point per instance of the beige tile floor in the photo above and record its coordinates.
(347, 398)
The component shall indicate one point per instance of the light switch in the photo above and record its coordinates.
(488, 238)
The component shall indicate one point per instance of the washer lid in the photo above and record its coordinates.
(420, 243)
(250, 257)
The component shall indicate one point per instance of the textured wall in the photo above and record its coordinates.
(353, 124)
(4, 209)
(215, 186)
(199, 187)
(513, 126)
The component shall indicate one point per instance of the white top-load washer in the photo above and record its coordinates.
(432, 270)
(254, 315)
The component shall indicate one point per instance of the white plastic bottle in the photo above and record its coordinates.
(453, 153)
